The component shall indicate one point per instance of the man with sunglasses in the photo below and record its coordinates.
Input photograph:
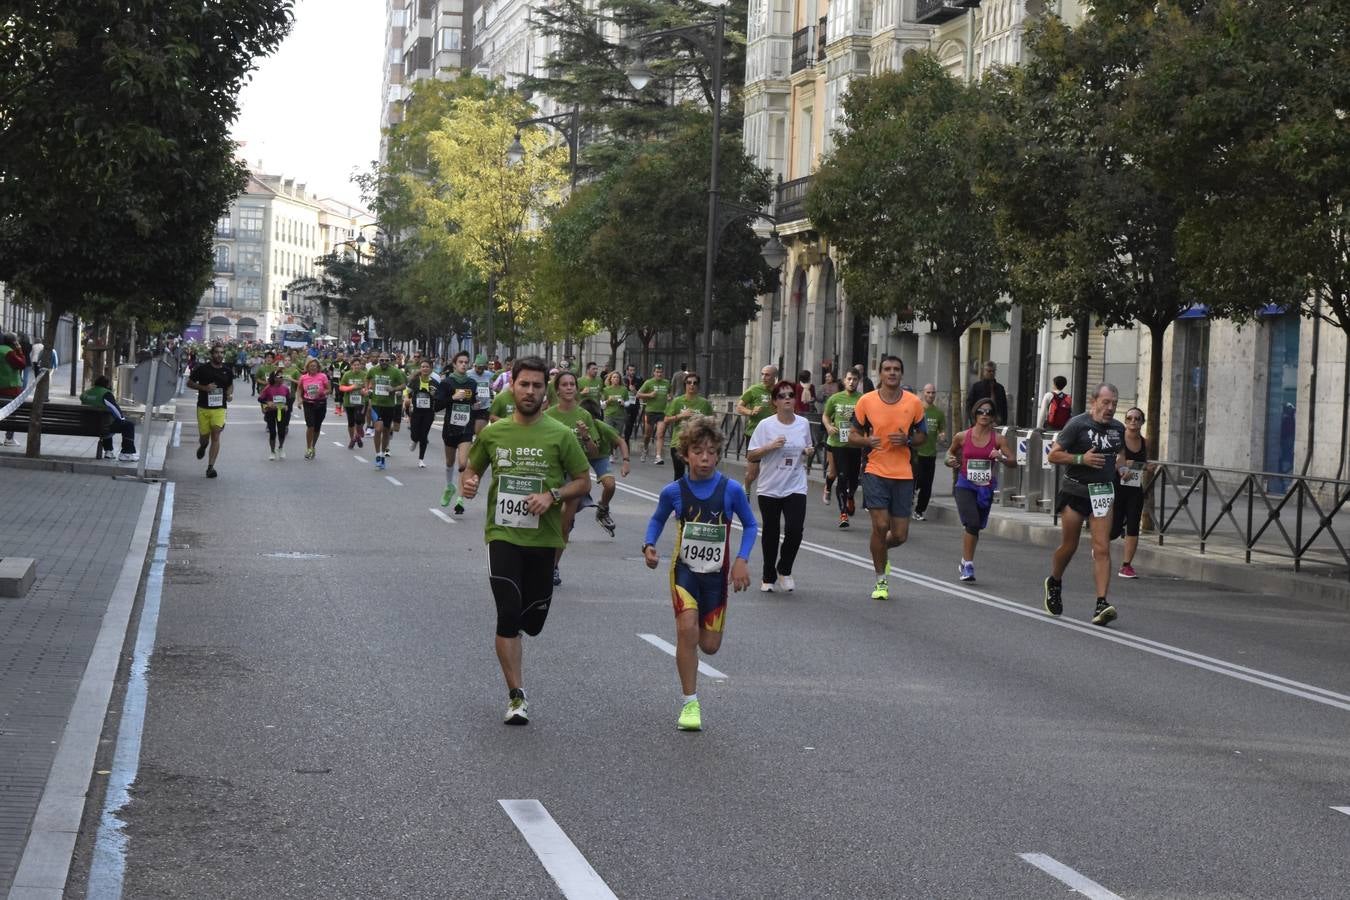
(682, 408)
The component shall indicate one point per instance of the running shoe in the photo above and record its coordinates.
(210, 472)
(766, 587)
(843, 520)
(557, 576)
(10, 442)
(786, 584)
(281, 453)
(421, 464)
(919, 517)
(135, 457)
(660, 460)
(272, 456)
(351, 443)
(848, 506)
(447, 495)
(379, 462)
(309, 454)
(459, 508)
(1054, 604)
(691, 717)
(1127, 571)
(517, 711)
(201, 450)
(360, 443)
(882, 591)
(644, 455)
(967, 570)
(825, 495)
(1104, 613)
(602, 516)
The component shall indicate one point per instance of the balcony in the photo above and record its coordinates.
(803, 46)
(935, 12)
(222, 268)
(790, 205)
(224, 232)
(821, 38)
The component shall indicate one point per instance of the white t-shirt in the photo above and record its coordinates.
(781, 471)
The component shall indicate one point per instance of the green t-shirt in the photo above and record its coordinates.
(388, 379)
(657, 404)
(94, 396)
(758, 398)
(679, 405)
(589, 387)
(615, 398)
(606, 438)
(357, 378)
(571, 417)
(935, 420)
(839, 410)
(503, 405)
(525, 459)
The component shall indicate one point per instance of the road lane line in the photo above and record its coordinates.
(561, 858)
(394, 481)
(1078, 881)
(667, 647)
(337, 443)
(177, 433)
(1342, 809)
(442, 516)
(359, 458)
(1146, 645)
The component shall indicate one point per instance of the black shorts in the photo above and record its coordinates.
(389, 415)
(654, 418)
(479, 415)
(355, 416)
(1127, 512)
(453, 437)
(1080, 505)
(315, 413)
(522, 587)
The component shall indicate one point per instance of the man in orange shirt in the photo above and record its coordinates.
(890, 422)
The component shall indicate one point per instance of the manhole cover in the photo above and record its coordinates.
(294, 555)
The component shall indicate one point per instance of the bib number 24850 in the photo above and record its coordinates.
(1101, 497)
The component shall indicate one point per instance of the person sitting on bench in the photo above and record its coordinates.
(101, 395)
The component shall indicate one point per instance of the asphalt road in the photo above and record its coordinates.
(325, 711)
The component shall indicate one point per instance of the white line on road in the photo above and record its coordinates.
(667, 647)
(1156, 648)
(562, 859)
(442, 516)
(177, 433)
(1079, 882)
(394, 481)
(337, 443)
(359, 458)
(1342, 809)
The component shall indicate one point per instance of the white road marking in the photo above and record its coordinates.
(1155, 648)
(337, 443)
(562, 859)
(177, 433)
(1079, 882)
(667, 647)
(394, 481)
(359, 458)
(1342, 809)
(442, 516)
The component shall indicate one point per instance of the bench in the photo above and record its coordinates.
(64, 419)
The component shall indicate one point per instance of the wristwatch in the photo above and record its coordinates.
(555, 494)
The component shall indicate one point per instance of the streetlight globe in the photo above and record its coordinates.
(773, 251)
(516, 152)
(639, 76)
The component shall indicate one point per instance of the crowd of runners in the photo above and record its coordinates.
(541, 435)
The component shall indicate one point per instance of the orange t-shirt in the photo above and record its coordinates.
(881, 419)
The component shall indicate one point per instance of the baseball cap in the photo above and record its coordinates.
(480, 360)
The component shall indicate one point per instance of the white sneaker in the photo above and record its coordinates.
(272, 456)
(281, 454)
(10, 442)
(421, 464)
(517, 711)
(765, 587)
(128, 457)
(786, 584)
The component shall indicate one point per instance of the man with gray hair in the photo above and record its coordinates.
(756, 404)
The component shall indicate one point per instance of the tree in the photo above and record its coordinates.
(900, 195)
(115, 154)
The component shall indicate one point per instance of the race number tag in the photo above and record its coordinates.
(1133, 477)
(422, 401)
(703, 546)
(979, 472)
(215, 398)
(356, 399)
(382, 386)
(459, 414)
(512, 492)
(312, 391)
(484, 392)
(843, 434)
(1101, 496)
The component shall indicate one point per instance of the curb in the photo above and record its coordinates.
(79, 467)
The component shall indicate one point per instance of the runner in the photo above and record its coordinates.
(582, 424)
(703, 502)
(482, 398)
(456, 395)
(314, 388)
(681, 410)
(781, 444)
(925, 457)
(214, 385)
(590, 386)
(632, 382)
(273, 399)
(615, 397)
(1131, 465)
(654, 393)
(889, 421)
(756, 404)
(419, 402)
(606, 439)
(537, 465)
(503, 405)
(847, 458)
(1089, 445)
(352, 389)
(972, 455)
(384, 384)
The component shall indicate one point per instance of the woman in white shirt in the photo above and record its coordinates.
(780, 445)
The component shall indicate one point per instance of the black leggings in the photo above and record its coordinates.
(924, 469)
(419, 423)
(276, 429)
(522, 586)
(847, 462)
(315, 411)
(630, 423)
(1128, 508)
(792, 508)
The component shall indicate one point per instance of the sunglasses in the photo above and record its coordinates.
(691, 381)
(984, 412)
(1133, 419)
(785, 397)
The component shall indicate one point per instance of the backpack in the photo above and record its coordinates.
(1060, 410)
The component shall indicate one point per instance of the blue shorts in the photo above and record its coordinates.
(703, 591)
(600, 465)
(893, 494)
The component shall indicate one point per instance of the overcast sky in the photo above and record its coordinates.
(312, 110)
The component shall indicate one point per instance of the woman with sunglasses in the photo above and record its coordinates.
(973, 454)
(1131, 466)
(781, 444)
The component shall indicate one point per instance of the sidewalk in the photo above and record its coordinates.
(79, 529)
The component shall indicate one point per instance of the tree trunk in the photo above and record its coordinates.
(34, 448)
(1156, 334)
(1080, 363)
(613, 350)
(956, 400)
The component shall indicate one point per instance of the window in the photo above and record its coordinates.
(250, 293)
(447, 39)
(220, 295)
(222, 258)
(223, 226)
(250, 259)
(251, 223)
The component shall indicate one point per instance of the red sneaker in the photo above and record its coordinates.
(1127, 571)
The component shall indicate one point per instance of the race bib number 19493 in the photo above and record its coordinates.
(702, 546)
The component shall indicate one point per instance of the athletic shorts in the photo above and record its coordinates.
(1080, 505)
(315, 413)
(209, 419)
(703, 591)
(973, 513)
(522, 587)
(355, 415)
(1128, 509)
(600, 466)
(389, 415)
(479, 415)
(893, 494)
(452, 437)
(654, 418)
